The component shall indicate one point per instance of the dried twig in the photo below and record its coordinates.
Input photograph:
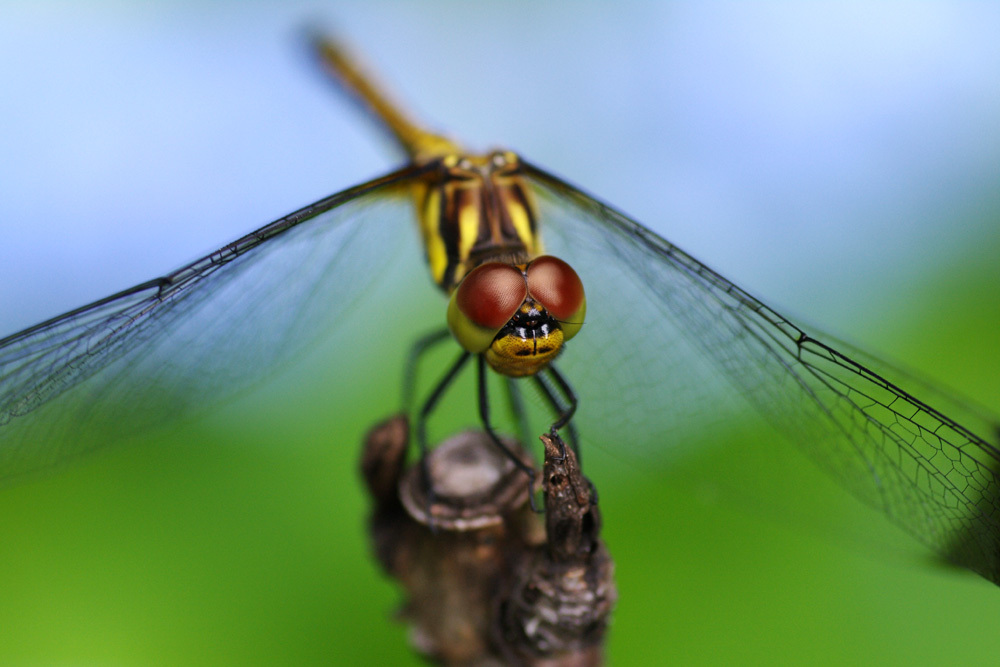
(488, 583)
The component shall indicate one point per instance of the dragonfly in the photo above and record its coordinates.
(665, 337)
(511, 308)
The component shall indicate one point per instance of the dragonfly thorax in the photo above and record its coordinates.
(474, 209)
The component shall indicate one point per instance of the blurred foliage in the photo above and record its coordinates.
(237, 538)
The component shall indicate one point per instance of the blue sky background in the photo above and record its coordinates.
(803, 151)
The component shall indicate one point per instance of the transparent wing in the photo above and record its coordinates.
(106, 370)
(672, 351)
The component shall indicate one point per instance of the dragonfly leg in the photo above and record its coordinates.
(425, 411)
(517, 409)
(484, 415)
(563, 411)
(421, 345)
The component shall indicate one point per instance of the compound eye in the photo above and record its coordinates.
(491, 294)
(484, 302)
(554, 284)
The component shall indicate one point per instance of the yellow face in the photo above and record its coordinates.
(517, 354)
(518, 316)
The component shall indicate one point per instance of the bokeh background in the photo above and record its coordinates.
(840, 160)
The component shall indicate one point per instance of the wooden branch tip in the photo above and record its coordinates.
(483, 584)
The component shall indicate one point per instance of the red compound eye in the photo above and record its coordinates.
(555, 285)
(491, 294)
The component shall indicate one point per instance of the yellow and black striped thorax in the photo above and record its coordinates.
(474, 209)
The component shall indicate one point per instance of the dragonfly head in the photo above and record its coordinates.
(518, 316)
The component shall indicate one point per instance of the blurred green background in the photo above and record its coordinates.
(840, 160)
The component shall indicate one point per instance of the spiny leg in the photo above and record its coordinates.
(517, 410)
(425, 411)
(563, 411)
(421, 346)
(484, 416)
(567, 392)
(565, 417)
